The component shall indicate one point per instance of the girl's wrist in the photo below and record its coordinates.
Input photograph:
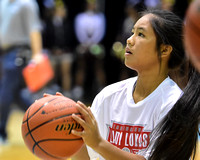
(99, 144)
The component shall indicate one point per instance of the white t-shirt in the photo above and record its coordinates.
(127, 124)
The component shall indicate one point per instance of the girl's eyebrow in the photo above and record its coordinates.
(140, 29)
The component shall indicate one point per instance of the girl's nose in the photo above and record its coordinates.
(131, 40)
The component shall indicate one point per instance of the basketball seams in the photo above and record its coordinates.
(56, 139)
(37, 110)
(36, 144)
(45, 140)
(53, 119)
(33, 150)
(32, 116)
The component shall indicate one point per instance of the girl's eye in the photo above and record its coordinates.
(140, 34)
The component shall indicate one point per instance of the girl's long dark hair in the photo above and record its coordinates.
(168, 29)
(176, 135)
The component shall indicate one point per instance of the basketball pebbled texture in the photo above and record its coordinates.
(47, 126)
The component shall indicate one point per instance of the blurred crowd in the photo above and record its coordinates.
(85, 41)
(86, 38)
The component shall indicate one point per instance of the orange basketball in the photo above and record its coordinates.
(192, 33)
(47, 126)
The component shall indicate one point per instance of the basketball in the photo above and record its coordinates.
(192, 33)
(47, 126)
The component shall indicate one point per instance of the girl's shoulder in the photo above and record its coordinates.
(118, 86)
(170, 87)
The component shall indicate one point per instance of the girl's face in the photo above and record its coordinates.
(141, 54)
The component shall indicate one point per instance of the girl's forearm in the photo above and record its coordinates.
(110, 152)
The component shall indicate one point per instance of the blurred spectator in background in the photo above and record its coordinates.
(151, 3)
(167, 4)
(132, 10)
(57, 36)
(20, 41)
(89, 76)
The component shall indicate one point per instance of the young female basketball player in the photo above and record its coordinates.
(175, 137)
(126, 112)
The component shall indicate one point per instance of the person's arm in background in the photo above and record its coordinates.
(36, 45)
(33, 26)
(92, 138)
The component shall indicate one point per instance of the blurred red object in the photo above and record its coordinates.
(37, 75)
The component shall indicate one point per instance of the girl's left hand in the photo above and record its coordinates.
(90, 134)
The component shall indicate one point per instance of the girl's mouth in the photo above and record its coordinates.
(128, 51)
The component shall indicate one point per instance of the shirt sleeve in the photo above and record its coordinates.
(30, 14)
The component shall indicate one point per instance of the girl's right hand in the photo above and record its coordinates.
(57, 94)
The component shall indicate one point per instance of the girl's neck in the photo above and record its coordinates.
(146, 85)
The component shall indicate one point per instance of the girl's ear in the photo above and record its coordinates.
(166, 50)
